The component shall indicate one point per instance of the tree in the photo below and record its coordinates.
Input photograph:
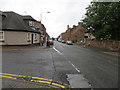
(103, 20)
(53, 38)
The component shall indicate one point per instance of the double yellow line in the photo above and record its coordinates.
(32, 79)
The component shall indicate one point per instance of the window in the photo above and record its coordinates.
(35, 37)
(28, 36)
(41, 32)
(1, 36)
(31, 23)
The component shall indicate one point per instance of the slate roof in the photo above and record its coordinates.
(28, 17)
(15, 22)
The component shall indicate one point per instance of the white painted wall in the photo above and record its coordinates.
(19, 38)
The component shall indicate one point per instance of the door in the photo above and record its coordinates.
(32, 38)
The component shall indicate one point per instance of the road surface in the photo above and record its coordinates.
(100, 69)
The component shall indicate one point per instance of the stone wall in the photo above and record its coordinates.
(111, 45)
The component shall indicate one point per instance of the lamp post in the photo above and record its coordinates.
(41, 23)
(41, 15)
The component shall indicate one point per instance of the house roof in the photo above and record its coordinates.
(28, 17)
(14, 22)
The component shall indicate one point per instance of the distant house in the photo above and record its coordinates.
(75, 34)
(35, 35)
(47, 36)
(89, 36)
(18, 30)
(39, 26)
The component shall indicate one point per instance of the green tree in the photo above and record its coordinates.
(103, 20)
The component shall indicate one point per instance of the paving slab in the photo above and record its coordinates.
(77, 81)
(112, 53)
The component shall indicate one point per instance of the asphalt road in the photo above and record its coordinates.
(100, 69)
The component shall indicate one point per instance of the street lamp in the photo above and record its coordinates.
(41, 15)
(41, 22)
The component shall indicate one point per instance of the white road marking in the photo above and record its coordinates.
(74, 67)
(57, 51)
(68, 61)
(77, 70)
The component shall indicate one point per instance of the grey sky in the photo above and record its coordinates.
(62, 12)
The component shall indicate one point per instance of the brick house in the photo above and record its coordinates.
(75, 34)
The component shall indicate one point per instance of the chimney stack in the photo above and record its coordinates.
(79, 23)
(74, 26)
(67, 27)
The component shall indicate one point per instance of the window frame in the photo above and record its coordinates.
(2, 35)
(28, 36)
(31, 23)
(35, 36)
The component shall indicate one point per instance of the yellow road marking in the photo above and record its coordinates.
(8, 77)
(58, 85)
(55, 84)
(26, 76)
(47, 82)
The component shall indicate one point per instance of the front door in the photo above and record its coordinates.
(32, 38)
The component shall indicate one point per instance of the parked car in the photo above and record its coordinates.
(69, 43)
(51, 42)
(59, 40)
(63, 41)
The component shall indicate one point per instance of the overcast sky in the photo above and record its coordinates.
(62, 12)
